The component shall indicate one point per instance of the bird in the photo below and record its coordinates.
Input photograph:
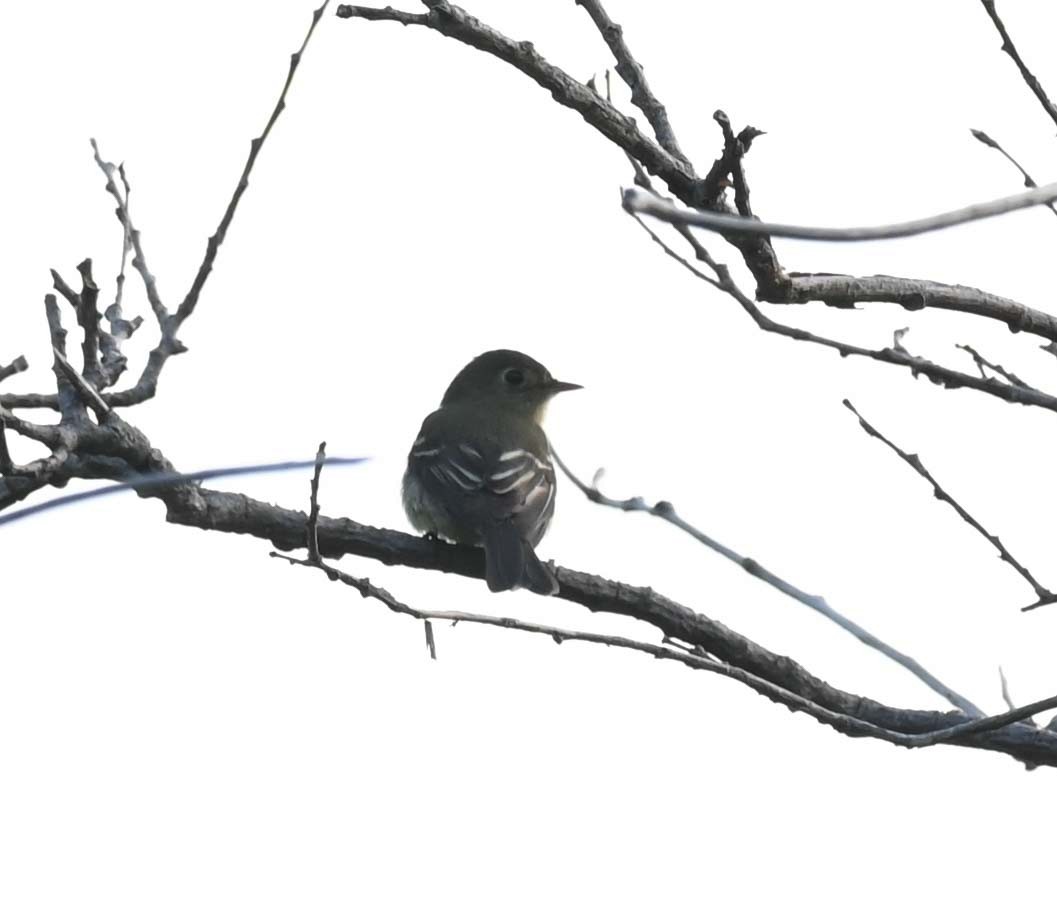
(480, 470)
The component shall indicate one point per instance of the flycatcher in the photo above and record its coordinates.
(480, 471)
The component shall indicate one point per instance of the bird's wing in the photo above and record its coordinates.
(481, 485)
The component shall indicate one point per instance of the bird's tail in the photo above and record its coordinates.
(511, 562)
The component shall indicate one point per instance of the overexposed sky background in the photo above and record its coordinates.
(192, 730)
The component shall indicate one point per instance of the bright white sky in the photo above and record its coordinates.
(192, 730)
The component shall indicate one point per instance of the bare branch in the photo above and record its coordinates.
(1009, 48)
(454, 22)
(116, 450)
(645, 203)
(169, 323)
(847, 724)
(632, 74)
(773, 284)
(132, 234)
(1045, 596)
(937, 374)
(664, 510)
(841, 291)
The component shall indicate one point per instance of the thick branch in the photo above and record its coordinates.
(914, 295)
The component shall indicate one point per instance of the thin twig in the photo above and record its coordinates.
(1045, 596)
(982, 364)
(18, 364)
(431, 643)
(984, 138)
(1006, 697)
(1009, 48)
(846, 723)
(69, 405)
(664, 510)
(313, 508)
(190, 300)
(645, 203)
(88, 394)
(734, 149)
(88, 318)
(126, 238)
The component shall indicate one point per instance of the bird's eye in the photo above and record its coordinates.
(514, 377)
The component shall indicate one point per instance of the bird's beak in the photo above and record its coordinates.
(556, 386)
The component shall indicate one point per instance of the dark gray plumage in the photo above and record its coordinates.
(480, 471)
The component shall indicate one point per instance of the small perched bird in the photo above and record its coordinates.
(480, 471)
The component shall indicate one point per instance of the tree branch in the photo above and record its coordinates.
(454, 22)
(841, 291)
(987, 140)
(641, 202)
(664, 510)
(1045, 596)
(18, 364)
(632, 74)
(846, 724)
(1009, 48)
(773, 284)
(937, 374)
(285, 529)
(190, 300)
(983, 364)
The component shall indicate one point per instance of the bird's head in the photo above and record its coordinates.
(510, 379)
